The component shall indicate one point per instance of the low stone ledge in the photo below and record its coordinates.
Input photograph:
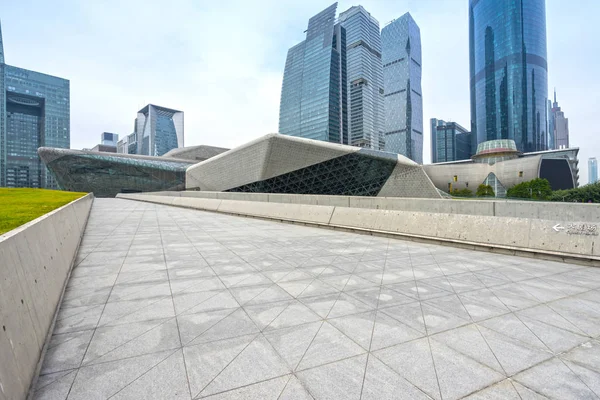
(508, 234)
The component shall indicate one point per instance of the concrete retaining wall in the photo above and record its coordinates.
(571, 212)
(35, 262)
(529, 235)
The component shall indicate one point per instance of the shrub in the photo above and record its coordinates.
(484, 191)
(462, 193)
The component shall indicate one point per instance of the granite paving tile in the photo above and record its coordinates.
(166, 302)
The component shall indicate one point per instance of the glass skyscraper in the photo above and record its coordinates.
(592, 170)
(314, 90)
(34, 112)
(401, 56)
(449, 141)
(559, 126)
(509, 72)
(158, 130)
(365, 78)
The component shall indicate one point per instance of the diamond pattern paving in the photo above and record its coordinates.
(170, 303)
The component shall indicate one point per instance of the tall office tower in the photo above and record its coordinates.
(509, 72)
(314, 91)
(551, 138)
(365, 77)
(109, 139)
(401, 56)
(449, 141)
(560, 126)
(592, 170)
(34, 112)
(158, 130)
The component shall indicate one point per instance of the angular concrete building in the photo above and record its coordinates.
(284, 164)
(274, 163)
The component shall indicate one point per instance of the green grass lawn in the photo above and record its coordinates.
(19, 206)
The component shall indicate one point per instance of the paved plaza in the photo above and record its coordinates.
(171, 303)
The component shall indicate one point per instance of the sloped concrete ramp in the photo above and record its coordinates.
(166, 303)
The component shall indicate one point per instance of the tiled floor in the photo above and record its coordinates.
(172, 303)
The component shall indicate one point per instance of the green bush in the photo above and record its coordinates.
(485, 191)
(462, 193)
(537, 188)
(583, 194)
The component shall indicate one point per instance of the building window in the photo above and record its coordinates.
(467, 184)
(520, 174)
(455, 178)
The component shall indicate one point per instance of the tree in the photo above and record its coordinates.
(485, 191)
(583, 194)
(537, 188)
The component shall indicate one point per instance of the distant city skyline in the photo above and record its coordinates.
(113, 71)
(34, 112)
(593, 170)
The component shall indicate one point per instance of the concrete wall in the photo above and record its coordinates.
(35, 262)
(528, 233)
(566, 212)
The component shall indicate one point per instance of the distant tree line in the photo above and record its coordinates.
(539, 189)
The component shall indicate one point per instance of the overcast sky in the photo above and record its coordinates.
(221, 62)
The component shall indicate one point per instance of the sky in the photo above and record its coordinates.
(221, 62)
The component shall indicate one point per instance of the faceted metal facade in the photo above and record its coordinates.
(365, 78)
(34, 112)
(314, 90)
(356, 174)
(107, 174)
(509, 72)
(283, 164)
(401, 56)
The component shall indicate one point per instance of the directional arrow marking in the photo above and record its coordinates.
(558, 228)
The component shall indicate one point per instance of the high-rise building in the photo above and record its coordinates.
(592, 170)
(401, 57)
(560, 126)
(449, 141)
(34, 112)
(365, 77)
(109, 139)
(314, 90)
(509, 72)
(158, 130)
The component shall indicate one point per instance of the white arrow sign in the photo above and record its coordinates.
(558, 228)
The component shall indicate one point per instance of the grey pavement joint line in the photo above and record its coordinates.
(426, 329)
(228, 289)
(173, 303)
(298, 250)
(100, 317)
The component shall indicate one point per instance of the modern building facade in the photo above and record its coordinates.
(314, 92)
(449, 141)
(592, 170)
(283, 164)
(501, 165)
(365, 77)
(34, 112)
(559, 125)
(509, 72)
(271, 164)
(158, 130)
(109, 139)
(401, 57)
